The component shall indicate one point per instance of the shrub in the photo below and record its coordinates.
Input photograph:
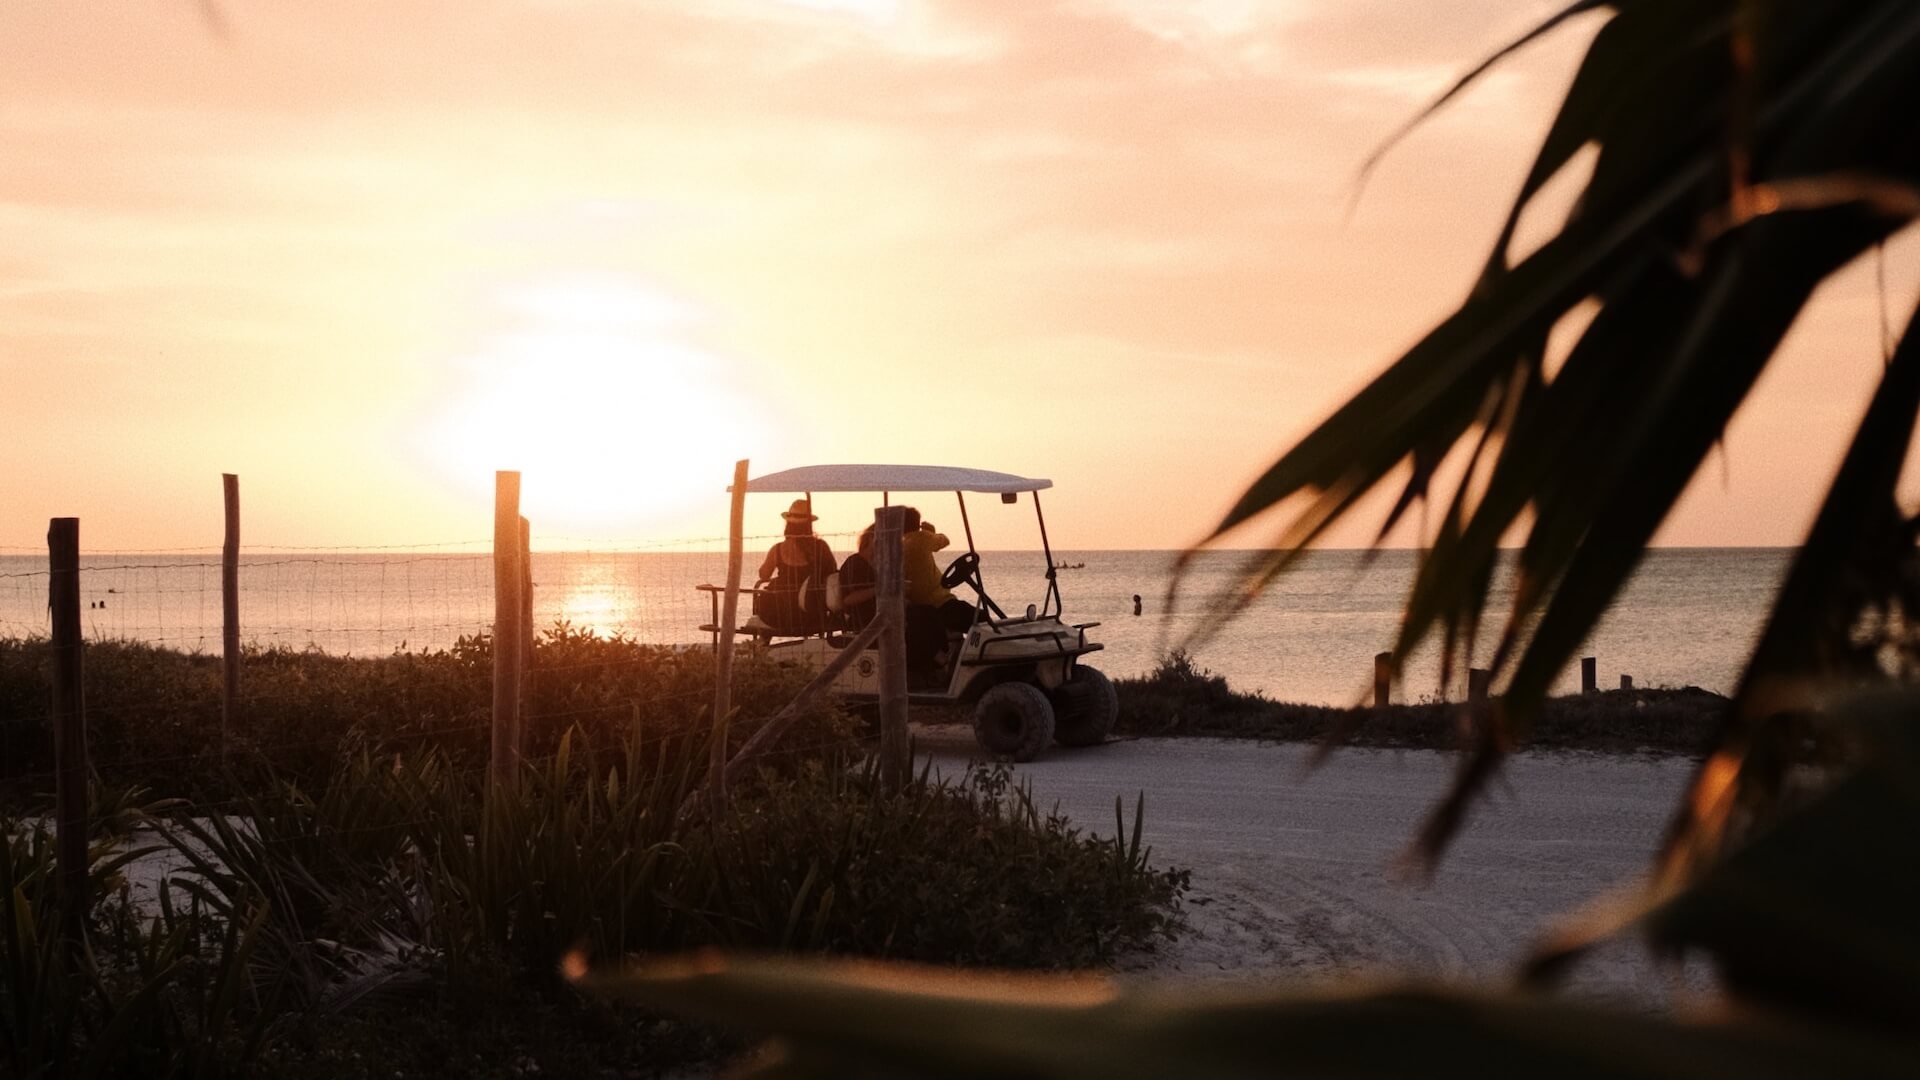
(153, 714)
(592, 854)
(398, 878)
(173, 995)
(964, 872)
(1181, 698)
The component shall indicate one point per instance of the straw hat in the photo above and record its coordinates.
(800, 511)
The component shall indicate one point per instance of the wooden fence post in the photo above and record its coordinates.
(1382, 680)
(723, 658)
(890, 602)
(526, 610)
(69, 727)
(1589, 675)
(1478, 714)
(507, 613)
(230, 612)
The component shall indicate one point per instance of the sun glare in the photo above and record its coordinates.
(587, 386)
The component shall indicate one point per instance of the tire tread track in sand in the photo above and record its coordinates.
(1294, 873)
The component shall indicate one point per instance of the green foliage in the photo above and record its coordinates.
(592, 855)
(299, 914)
(589, 855)
(968, 872)
(154, 714)
(171, 996)
(1179, 697)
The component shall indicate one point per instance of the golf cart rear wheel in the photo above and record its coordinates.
(1013, 720)
(1084, 708)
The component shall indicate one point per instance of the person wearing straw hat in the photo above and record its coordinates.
(793, 576)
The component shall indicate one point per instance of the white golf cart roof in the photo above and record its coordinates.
(812, 478)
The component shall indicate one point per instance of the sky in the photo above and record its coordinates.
(364, 254)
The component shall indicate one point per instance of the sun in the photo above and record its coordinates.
(589, 386)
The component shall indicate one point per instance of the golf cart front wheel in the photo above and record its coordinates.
(1013, 720)
(1085, 707)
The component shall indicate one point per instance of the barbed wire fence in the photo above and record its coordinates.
(365, 602)
(400, 602)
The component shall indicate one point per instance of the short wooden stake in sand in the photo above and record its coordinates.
(1478, 680)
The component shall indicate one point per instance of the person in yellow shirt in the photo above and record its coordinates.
(932, 610)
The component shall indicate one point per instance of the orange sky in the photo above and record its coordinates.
(365, 253)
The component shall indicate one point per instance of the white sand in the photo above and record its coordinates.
(1294, 873)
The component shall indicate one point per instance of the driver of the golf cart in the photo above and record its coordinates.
(932, 610)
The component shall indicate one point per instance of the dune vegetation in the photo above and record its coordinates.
(1181, 697)
(339, 895)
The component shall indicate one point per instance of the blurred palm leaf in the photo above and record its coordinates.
(866, 1020)
(1746, 150)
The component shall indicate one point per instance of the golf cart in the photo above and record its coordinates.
(1021, 673)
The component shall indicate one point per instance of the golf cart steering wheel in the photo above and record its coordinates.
(960, 571)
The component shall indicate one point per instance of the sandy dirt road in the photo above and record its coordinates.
(1294, 873)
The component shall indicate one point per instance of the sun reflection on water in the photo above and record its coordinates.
(593, 598)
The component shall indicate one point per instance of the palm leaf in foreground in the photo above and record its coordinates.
(852, 1019)
(1699, 262)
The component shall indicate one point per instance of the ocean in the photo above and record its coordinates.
(1688, 618)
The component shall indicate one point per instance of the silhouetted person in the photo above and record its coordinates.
(794, 574)
(932, 611)
(857, 584)
(1136, 603)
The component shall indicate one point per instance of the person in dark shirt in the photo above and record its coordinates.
(857, 604)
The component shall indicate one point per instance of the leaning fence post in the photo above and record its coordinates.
(890, 602)
(526, 612)
(1589, 674)
(1382, 679)
(505, 772)
(69, 726)
(723, 658)
(230, 612)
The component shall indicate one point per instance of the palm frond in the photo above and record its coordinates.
(852, 1019)
(1745, 152)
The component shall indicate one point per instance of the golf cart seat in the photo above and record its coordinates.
(751, 626)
